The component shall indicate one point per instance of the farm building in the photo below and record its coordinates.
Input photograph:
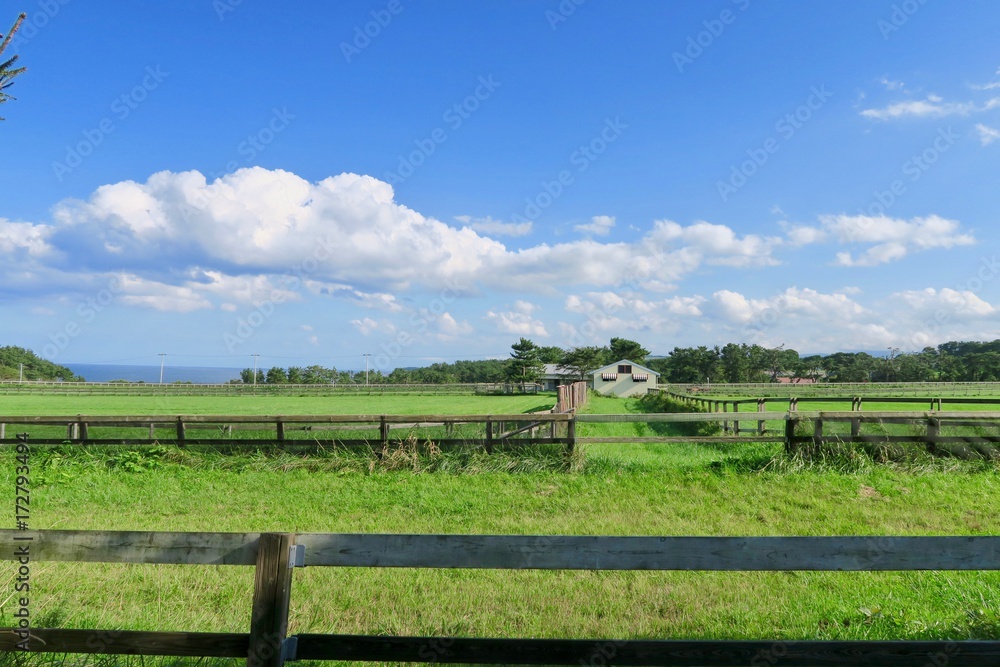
(624, 378)
(555, 375)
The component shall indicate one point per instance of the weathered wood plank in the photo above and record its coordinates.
(133, 546)
(673, 653)
(129, 642)
(270, 420)
(855, 553)
(272, 592)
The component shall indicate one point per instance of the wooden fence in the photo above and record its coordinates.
(838, 388)
(940, 431)
(13, 387)
(275, 556)
(571, 397)
(328, 430)
(712, 404)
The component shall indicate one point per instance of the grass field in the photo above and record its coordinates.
(615, 490)
(54, 404)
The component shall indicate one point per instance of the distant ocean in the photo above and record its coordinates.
(196, 374)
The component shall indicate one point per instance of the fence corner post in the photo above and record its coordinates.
(271, 595)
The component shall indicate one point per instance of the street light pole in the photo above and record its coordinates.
(162, 356)
(255, 355)
(366, 355)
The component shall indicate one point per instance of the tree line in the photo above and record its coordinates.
(525, 365)
(955, 361)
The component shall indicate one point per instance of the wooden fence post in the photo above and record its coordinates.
(489, 436)
(736, 423)
(571, 434)
(761, 407)
(725, 424)
(272, 591)
(817, 434)
(790, 424)
(933, 430)
(383, 431)
(181, 432)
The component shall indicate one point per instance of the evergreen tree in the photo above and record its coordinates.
(525, 364)
(7, 69)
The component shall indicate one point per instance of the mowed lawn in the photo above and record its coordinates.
(619, 489)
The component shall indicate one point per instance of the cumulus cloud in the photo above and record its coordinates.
(344, 236)
(516, 323)
(610, 312)
(934, 106)
(955, 303)
(715, 244)
(890, 239)
(493, 227)
(24, 237)
(599, 225)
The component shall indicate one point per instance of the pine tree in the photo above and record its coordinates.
(7, 69)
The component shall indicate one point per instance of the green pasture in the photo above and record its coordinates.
(348, 404)
(606, 489)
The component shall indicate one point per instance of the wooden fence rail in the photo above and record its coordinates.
(275, 556)
(946, 432)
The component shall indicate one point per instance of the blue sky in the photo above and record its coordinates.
(428, 181)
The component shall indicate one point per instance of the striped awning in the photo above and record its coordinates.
(609, 376)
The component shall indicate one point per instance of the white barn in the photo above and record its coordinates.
(624, 378)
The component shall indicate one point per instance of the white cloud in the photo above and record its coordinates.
(891, 85)
(716, 244)
(599, 225)
(525, 307)
(932, 302)
(516, 323)
(891, 239)
(987, 135)
(800, 236)
(25, 237)
(137, 291)
(367, 326)
(346, 231)
(493, 227)
(932, 107)
(611, 313)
